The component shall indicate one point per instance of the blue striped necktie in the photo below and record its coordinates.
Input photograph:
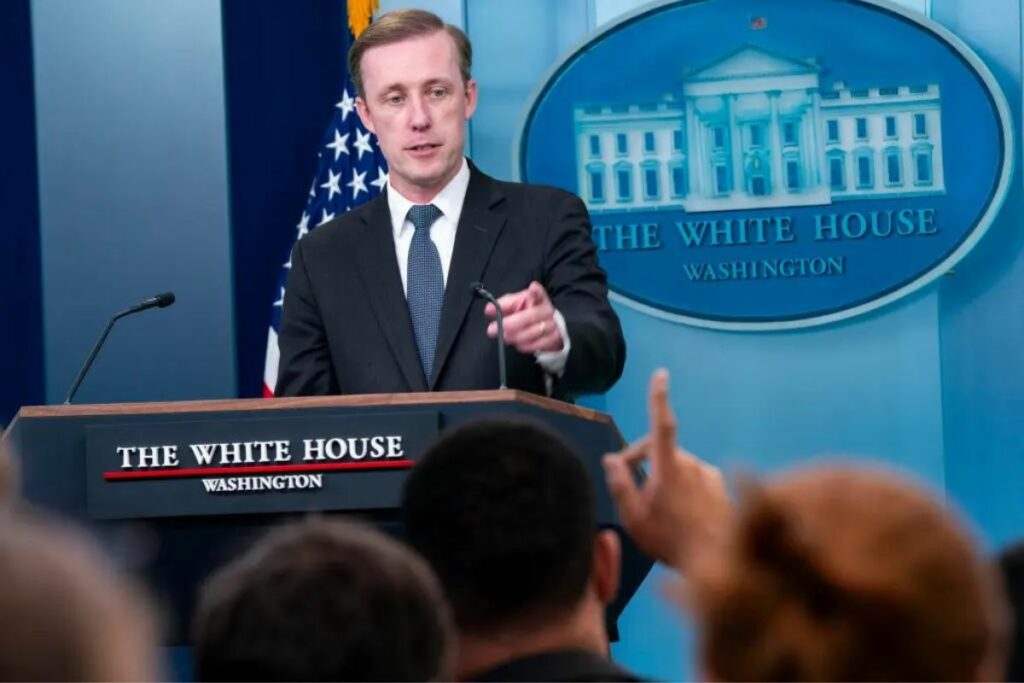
(425, 290)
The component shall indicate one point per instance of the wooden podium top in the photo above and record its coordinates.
(357, 400)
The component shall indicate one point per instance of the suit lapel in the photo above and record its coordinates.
(379, 270)
(477, 233)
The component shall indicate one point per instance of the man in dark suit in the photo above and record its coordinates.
(380, 300)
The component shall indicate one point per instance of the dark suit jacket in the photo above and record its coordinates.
(345, 328)
(562, 665)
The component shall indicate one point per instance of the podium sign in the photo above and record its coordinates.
(214, 467)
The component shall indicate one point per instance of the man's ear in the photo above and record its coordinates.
(607, 565)
(364, 115)
(470, 98)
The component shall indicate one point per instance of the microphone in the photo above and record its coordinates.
(159, 301)
(479, 290)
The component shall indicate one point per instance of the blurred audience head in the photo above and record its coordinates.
(846, 574)
(323, 600)
(505, 513)
(65, 613)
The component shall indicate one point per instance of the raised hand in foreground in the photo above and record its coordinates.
(682, 507)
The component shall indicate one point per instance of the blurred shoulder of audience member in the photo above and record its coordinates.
(505, 513)
(323, 600)
(65, 613)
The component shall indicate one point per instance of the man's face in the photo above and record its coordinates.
(417, 105)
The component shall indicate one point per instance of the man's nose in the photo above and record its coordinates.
(419, 114)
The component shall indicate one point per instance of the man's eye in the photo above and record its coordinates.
(438, 92)
(395, 99)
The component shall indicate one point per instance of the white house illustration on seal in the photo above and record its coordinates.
(755, 130)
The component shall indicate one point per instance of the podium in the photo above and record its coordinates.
(176, 489)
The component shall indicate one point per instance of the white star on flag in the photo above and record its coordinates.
(363, 143)
(347, 104)
(326, 217)
(382, 179)
(357, 184)
(280, 298)
(303, 227)
(332, 185)
(340, 144)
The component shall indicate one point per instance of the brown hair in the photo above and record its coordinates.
(400, 25)
(844, 574)
(65, 614)
(323, 600)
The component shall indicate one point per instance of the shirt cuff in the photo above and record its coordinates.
(553, 362)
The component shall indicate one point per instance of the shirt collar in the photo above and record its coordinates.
(449, 200)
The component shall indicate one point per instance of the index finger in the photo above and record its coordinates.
(537, 294)
(510, 303)
(663, 423)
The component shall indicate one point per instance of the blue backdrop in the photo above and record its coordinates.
(21, 345)
(133, 196)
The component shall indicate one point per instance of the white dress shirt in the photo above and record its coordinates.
(442, 233)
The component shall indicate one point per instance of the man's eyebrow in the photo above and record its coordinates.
(402, 87)
(392, 86)
(437, 80)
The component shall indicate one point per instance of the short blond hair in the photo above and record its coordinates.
(400, 25)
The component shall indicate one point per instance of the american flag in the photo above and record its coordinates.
(350, 171)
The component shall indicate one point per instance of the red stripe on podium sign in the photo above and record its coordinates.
(255, 469)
